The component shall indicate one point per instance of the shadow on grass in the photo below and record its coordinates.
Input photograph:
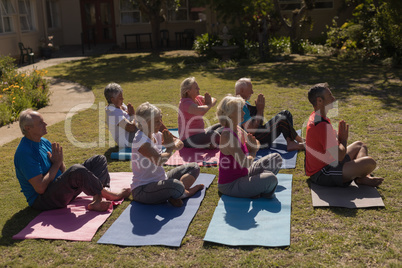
(346, 78)
(15, 224)
(211, 245)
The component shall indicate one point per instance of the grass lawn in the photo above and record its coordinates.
(369, 100)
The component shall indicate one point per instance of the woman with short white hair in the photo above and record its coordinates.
(151, 184)
(239, 174)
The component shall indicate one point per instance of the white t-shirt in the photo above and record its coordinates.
(144, 171)
(114, 116)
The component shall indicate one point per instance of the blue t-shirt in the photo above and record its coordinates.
(31, 160)
(247, 115)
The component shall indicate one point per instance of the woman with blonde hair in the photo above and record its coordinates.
(192, 107)
(151, 184)
(239, 174)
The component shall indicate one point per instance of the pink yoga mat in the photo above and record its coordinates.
(203, 157)
(74, 222)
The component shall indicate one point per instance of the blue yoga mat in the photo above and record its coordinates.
(253, 222)
(279, 146)
(162, 224)
(122, 154)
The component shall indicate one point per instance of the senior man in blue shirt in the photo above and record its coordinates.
(44, 179)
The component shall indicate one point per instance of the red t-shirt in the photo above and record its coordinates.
(320, 135)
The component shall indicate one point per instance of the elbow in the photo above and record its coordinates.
(40, 190)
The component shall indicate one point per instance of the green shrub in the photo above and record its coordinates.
(279, 45)
(374, 32)
(203, 44)
(19, 91)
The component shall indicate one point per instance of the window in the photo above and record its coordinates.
(53, 14)
(6, 10)
(26, 15)
(296, 4)
(130, 13)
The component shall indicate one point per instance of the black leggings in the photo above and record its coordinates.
(280, 123)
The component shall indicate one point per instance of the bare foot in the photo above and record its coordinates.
(192, 191)
(116, 196)
(294, 146)
(98, 205)
(370, 181)
(175, 202)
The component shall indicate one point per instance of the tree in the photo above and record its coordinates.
(253, 15)
(294, 24)
(155, 10)
(375, 29)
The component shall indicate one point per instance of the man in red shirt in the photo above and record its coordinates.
(329, 160)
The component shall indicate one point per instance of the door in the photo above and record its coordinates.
(98, 24)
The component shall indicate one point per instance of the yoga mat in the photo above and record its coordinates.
(279, 146)
(74, 222)
(253, 222)
(161, 224)
(203, 157)
(353, 196)
(122, 154)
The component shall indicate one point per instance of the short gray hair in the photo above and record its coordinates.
(242, 83)
(186, 85)
(111, 91)
(26, 119)
(145, 113)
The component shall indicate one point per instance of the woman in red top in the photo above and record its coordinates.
(239, 174)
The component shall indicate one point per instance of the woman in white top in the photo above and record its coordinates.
(151, 184)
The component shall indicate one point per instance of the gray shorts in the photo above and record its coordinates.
(331, 175)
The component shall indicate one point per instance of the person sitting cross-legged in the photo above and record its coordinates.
(151, 184)
(44, 179)
(120, 118)
(268, 132)
(330, 161)
(239, 174)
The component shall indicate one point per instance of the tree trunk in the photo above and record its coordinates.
(293, 26)
(156, 34)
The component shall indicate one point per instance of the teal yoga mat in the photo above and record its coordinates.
(162, 224)
(253, 222)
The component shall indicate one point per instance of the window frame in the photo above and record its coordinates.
(53, 14)
(142, 19)
(29, 16)
(6, 14)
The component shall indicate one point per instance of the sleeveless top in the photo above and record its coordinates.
(229, 169)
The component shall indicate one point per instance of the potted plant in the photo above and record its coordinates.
(46, 46)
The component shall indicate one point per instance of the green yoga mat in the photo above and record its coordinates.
(253, 222)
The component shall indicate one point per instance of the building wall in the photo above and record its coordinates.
(71, 23)
(69, 29)
(9, 41)
(321, 18)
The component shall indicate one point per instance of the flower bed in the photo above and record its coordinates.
(19, 91)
